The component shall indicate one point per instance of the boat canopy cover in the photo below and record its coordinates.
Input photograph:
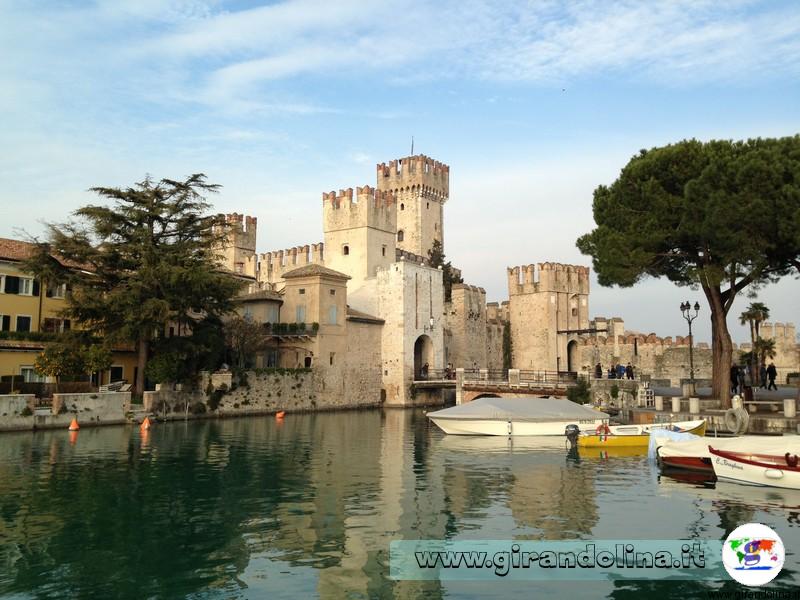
(748, 444)
(520, 409)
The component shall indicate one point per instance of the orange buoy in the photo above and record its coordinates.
(145, 424)
(73, 437)
(280, 414)
(74, 425)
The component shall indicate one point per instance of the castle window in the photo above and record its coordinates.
(383, 250)
(332, 315)
(400, 236)
(346, 250)
(300, 313)
(427, 205)
(402, 206)
(301, 291)
(574, 312)
(333, 292)
(331, 358)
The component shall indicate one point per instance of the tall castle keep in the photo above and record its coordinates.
(421, 186)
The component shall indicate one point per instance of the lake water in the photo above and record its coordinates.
(254, 508)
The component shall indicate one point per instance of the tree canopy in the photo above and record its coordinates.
(720, 215)
(146, 261)
(449, 276)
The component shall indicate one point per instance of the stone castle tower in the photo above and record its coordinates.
(239, 251)
(359, 234)
(550, 300)
(420, 186)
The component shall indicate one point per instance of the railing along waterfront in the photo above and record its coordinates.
(548, 376)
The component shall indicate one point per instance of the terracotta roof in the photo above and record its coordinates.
(357, 315)
(260, 295)
(17, 250)
(314, 269)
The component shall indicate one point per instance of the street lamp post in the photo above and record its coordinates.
(686, 311)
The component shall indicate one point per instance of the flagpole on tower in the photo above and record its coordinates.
(412, 145)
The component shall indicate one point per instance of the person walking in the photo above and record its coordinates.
(423, 372)
(772, 373)
(734, 379)
(629, 371)
(598, 371)
(612, 372)
(620, 371)
(762, 376)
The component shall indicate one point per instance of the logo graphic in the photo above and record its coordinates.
(753, 554)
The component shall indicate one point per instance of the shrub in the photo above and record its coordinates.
(580, 393)
(215, 399)
(315, 327)
(26, 412)
(198, 408)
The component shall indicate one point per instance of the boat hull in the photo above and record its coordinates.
(693, 455)
(628, 440)
(763, 471)
(512, 427)
(701, 464)
(646, 428)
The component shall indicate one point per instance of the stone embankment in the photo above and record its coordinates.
(19, 412)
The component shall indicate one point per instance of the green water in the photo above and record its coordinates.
(252, 508)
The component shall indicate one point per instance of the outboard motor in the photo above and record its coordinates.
(572, 432)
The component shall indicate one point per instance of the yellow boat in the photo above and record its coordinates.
(612, 451)
(610, 440)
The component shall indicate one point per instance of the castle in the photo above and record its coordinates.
(370, 315)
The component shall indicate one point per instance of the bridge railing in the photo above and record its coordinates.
(548, 376)
(435, 375)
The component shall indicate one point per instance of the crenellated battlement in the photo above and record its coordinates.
(367, 207)
(411, 257)
(239, 247)
(782, 333)
(417, 173)
(548, 277)
(272, 265)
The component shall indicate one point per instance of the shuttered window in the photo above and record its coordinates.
(12, 284)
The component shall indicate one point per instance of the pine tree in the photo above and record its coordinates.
(437, 259)
(720, 215)
(147, 260)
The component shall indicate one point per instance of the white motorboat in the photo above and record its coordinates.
(769, 470)
(648, 428)
(693, 454)
(517, 416)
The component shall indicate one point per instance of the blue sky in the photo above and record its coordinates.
(532, 104)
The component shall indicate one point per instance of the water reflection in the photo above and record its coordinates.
(251, 508)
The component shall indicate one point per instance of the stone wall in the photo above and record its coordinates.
(362, 369)
(265, 392)
(494, 343)
(787, 350)
(89, 409)
(465, 320)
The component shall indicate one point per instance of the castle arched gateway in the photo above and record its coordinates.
(573, 361)
(423, 353)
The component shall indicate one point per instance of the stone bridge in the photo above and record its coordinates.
(514, 384)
